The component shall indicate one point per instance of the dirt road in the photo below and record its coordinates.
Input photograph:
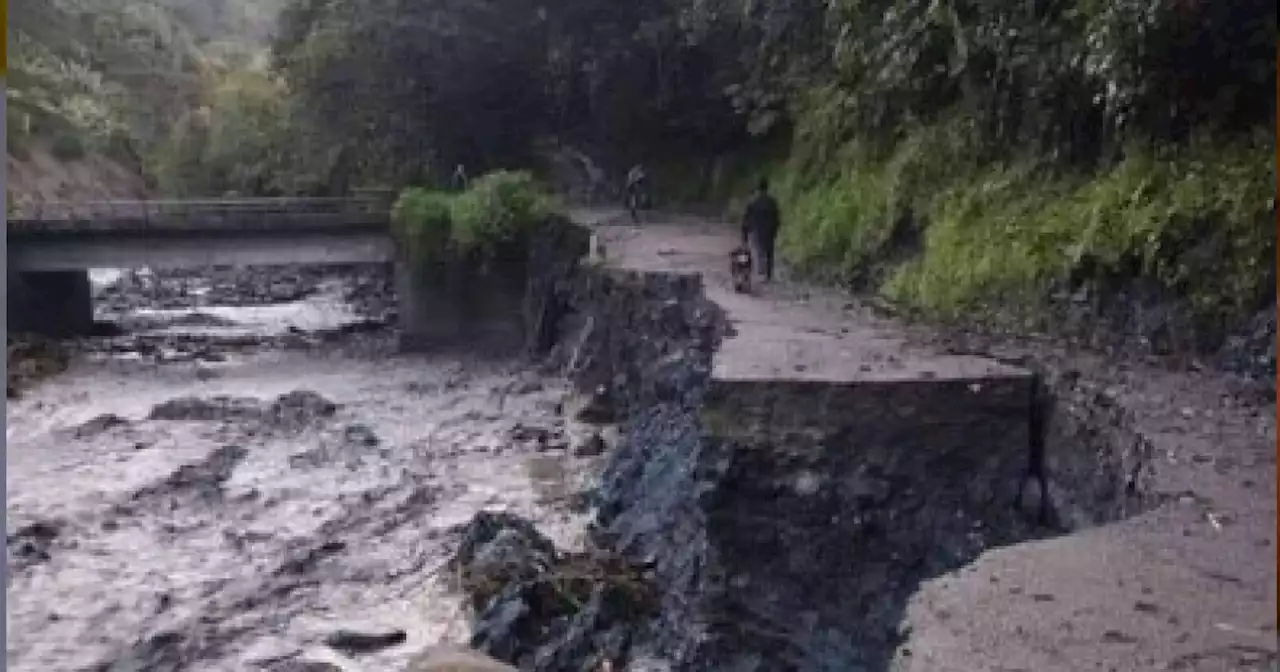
(1187, 585)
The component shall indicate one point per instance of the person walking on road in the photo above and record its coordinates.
(637, 197)
(459, 181)
(760, 224)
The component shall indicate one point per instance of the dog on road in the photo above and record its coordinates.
(740, 268)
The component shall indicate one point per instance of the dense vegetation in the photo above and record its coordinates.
(955, 154)
(968, 155)
(495, 214)
(113, 75)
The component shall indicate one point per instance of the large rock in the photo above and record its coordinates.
(302, 405)
(98, 424)
(544, 610)
(207, 409)
(365, 639)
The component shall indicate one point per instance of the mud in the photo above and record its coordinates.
(249, 477)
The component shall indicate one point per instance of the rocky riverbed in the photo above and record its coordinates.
(245, 475)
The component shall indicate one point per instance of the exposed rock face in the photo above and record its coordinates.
(546, 610)
(647, 339)
(787, 523)
(1098, 468)
(553, 264)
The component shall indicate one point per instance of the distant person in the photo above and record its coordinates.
(636, 176)
(637, 196)
(459, 180)
(760, 224)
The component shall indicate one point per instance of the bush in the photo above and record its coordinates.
(1194, 219)
(843, 205)
(420, 221)
(67, 147)
(497, 210)
(1197, 221)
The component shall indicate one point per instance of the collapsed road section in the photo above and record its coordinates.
(816, 492)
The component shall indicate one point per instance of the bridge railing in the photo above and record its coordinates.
(92, 215)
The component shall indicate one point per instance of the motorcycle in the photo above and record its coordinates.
(740, 268)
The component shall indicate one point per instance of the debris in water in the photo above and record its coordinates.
(216, 408)
(590, 446)
(302, 406)
(544, 610)
(31, 543)
(356, 641)
(598, 408)
(360, 435)
(98, 424)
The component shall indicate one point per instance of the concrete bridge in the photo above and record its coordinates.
(176, 234)
(51, 247)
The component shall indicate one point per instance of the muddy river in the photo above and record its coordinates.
(250, 468)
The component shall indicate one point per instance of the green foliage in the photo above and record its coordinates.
(120, 74)
(237, 140)
(939, 229)
(414, 88)
(960, 155)
(953, 153)
(67, 147)
(844, 206)
(422, 224)
(1195, 219)
(496, 213)
(497, 210)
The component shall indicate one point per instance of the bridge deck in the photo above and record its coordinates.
(48, 219)
(160, 234)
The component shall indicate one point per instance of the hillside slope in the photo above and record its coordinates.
(39, 177)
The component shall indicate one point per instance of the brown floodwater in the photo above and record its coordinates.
(231, 543)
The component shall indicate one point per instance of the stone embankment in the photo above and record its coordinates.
(815, 490)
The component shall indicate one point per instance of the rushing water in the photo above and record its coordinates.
(229, 542)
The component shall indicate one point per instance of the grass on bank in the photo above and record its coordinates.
(935, 230)
(499, 209)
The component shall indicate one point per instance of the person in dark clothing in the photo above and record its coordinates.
(760, 224)
(459, 181)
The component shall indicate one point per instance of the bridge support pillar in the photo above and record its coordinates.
(453, 304)
(429, 316)
(51, 303)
